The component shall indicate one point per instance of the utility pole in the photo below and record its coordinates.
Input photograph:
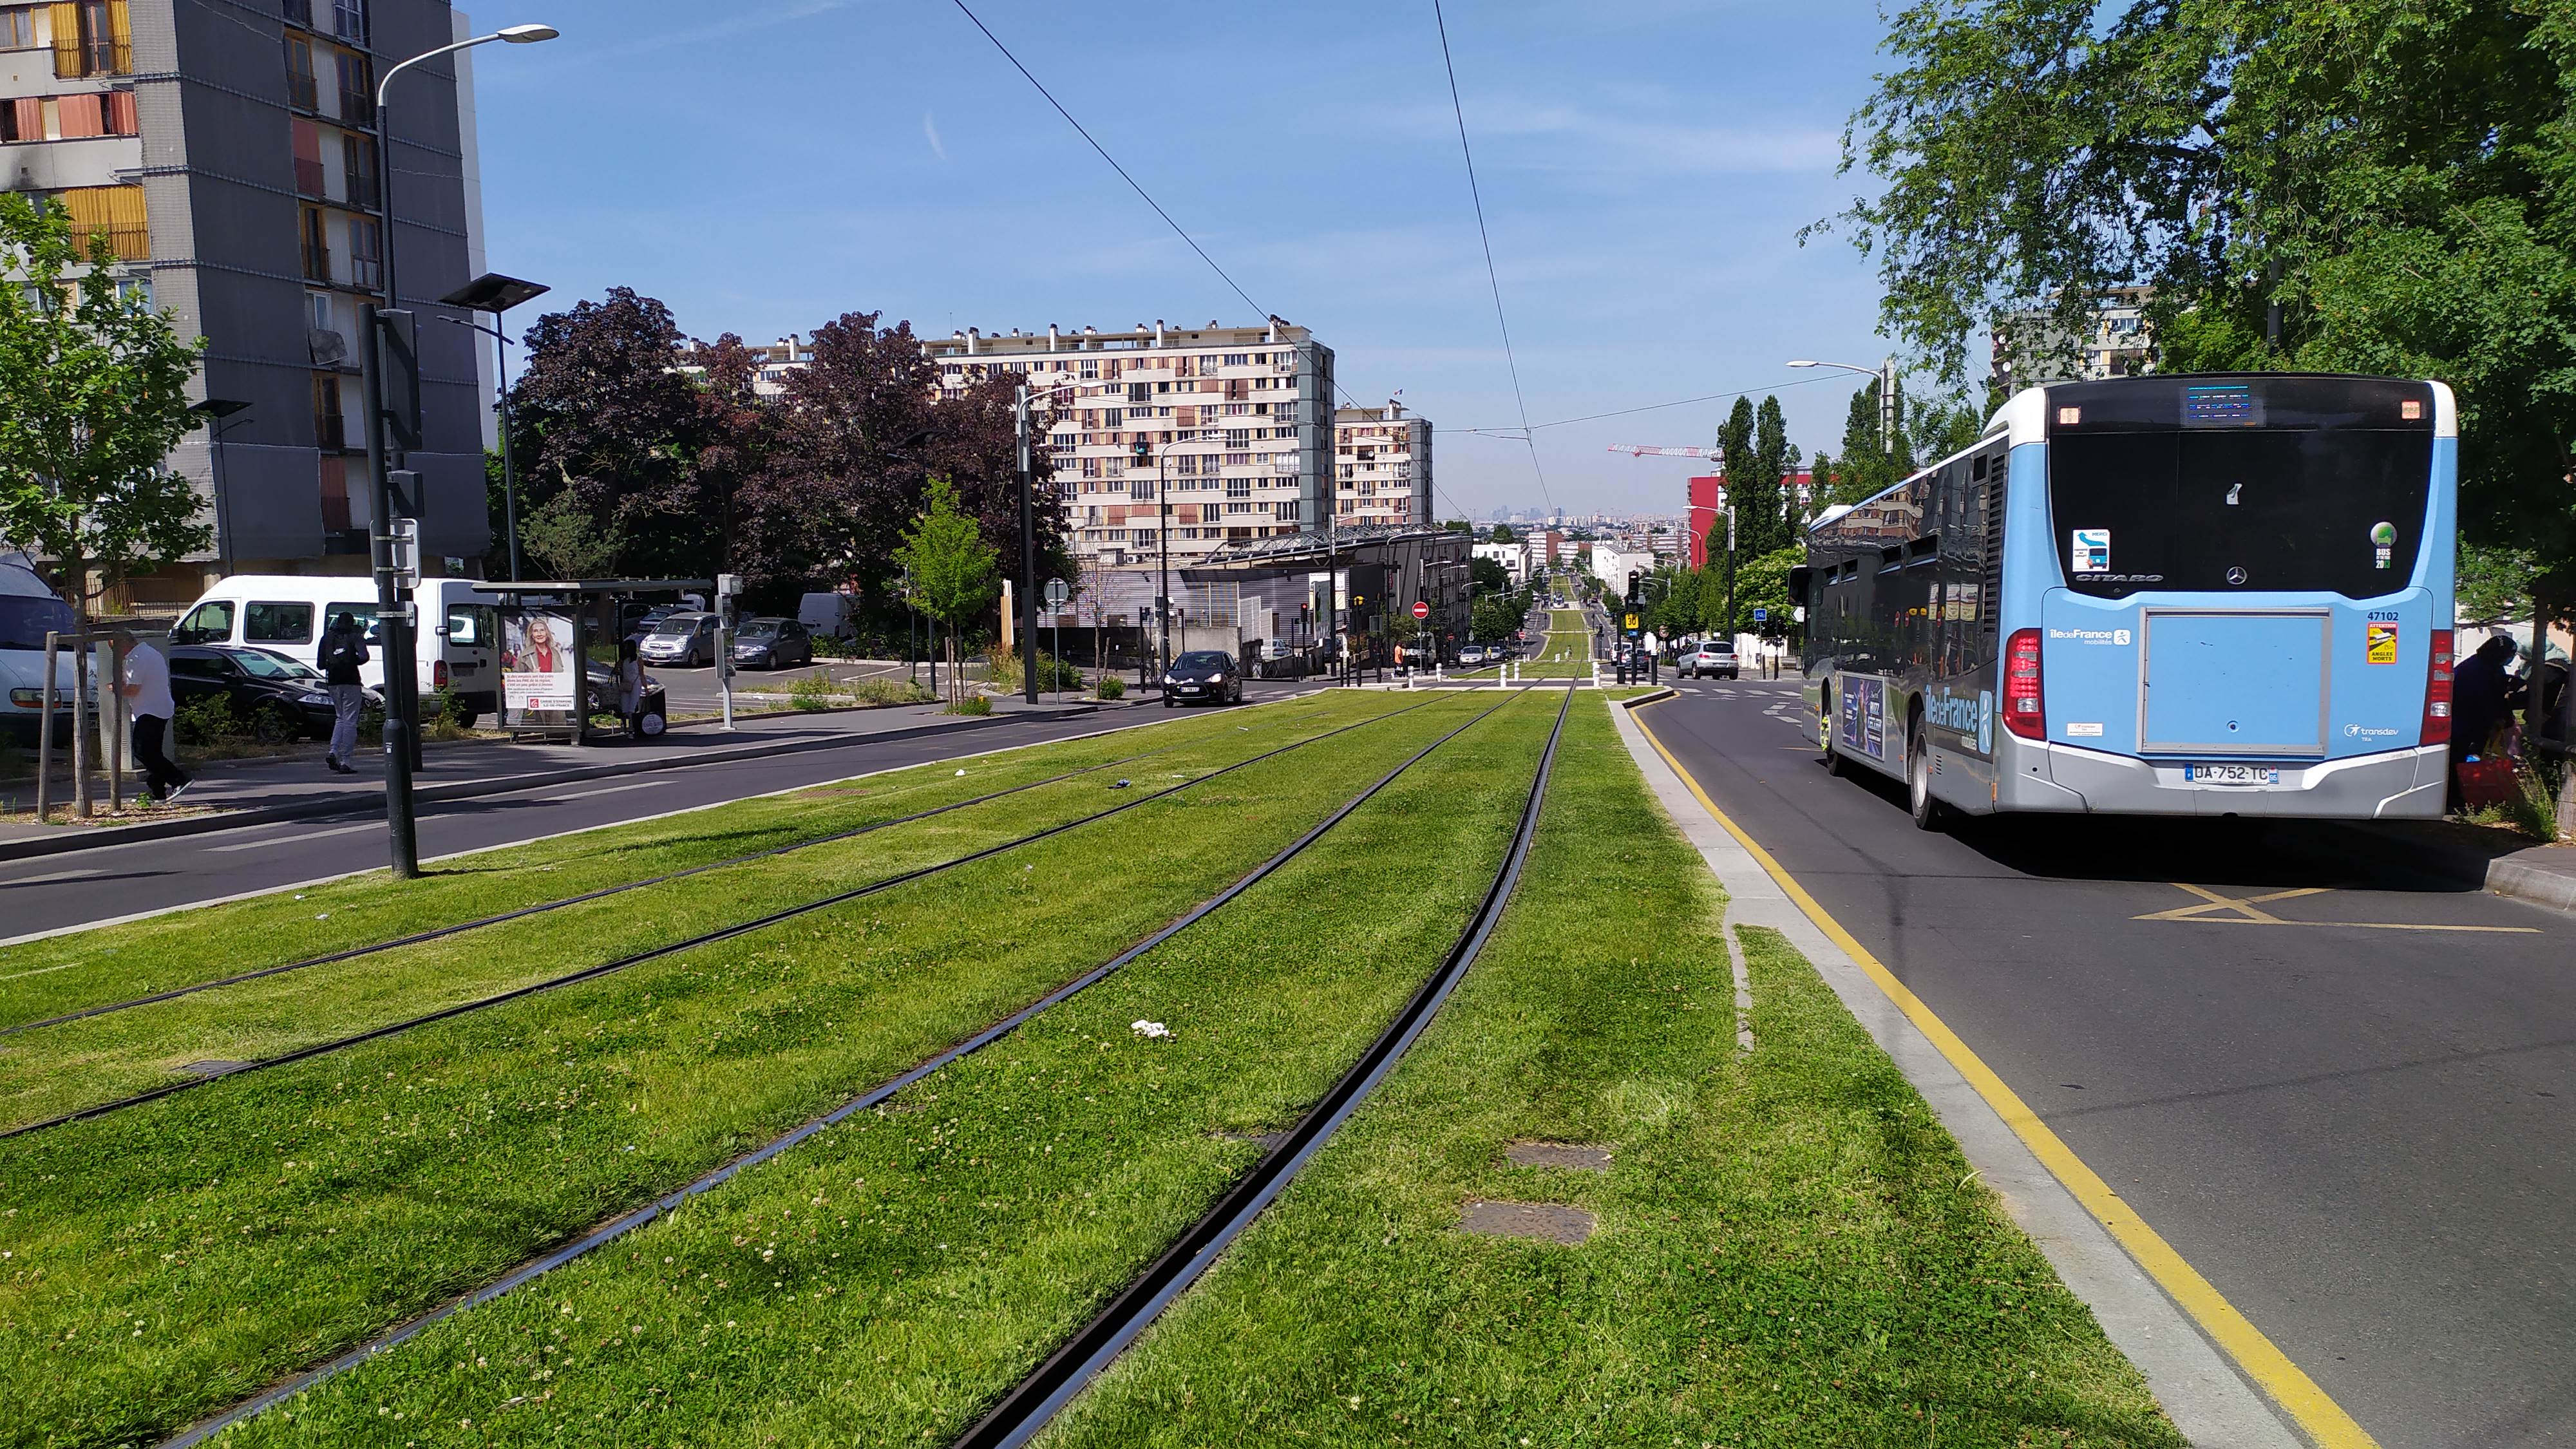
(1886, 407)
(393, 625)
(1163, 545)
(1028, 555)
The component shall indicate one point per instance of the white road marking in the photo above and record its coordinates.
(275, 840)
(607, 790)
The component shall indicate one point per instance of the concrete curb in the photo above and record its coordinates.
(2459, 863)
(2199, 1387)
(75, 839)
(2507, 876)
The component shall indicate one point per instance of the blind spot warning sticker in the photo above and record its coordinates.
(2380, 643)
(2092, 550)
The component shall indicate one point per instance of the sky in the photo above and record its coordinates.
(763, 166)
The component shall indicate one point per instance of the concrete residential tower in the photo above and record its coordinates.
(227, 152)
(1382, 466)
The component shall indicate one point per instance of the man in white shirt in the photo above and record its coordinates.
(144, 680)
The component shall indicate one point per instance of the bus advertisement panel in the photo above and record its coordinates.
(2224, 595)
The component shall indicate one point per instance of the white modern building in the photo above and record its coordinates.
(1382, 466)
(1514, 557)
(1208, 435)
(2117, 341)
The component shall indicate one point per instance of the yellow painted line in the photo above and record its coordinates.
(2341, 925)
(2288, 1384)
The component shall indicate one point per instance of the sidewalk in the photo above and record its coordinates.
(231, 794)
(2479, 857)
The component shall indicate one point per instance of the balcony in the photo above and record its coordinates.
(301, 91)
(357, 108)
(330, 432)
(308, 177)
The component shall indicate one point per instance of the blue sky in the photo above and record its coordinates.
(765, 165)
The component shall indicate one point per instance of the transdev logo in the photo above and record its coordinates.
(2115, 637)
(2368, 732)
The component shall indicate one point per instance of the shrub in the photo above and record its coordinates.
(446, 717)
(972, 704)
(892, 691)
(207, 721)
(1111, 687)
(814, 691)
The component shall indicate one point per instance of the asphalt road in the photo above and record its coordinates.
(2346, 1102)
(51, 892)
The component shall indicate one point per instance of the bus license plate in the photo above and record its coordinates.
(2231, 774)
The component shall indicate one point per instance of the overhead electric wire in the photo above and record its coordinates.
(1476, 194)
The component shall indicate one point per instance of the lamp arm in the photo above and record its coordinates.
(384, 85)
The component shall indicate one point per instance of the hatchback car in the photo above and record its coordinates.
(280, 699)
(1716, 657)
(681, 640)
(1470, 655)
(1203, 676)
(772, 644)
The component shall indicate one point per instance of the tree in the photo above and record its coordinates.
(1735, 450)
(1761, 522)
(1820, 484)
(954, 572)
(1503, 533)
(1488, 575)
(2347, 185)
(603, 414)
(1459, 525)
(93, 396)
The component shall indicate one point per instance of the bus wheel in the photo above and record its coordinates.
(1928, 812)
(1825, 738)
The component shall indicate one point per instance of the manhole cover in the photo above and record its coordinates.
(1580, 1156)
(1546, 1221)
(213, 1068)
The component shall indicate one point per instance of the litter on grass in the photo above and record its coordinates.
(1151, 1029)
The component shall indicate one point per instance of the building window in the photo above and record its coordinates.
(92, 37)
(300, 86)
(349, 20)
(1238, 487)
(366, 253)
(317, 247)
(113, 212)
(305, 140)
(1236, 359)
(358, 170)
(357, 89)
(18, 27)
(330, 432)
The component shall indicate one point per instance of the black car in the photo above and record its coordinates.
(1203, 676)
(772, 644)
(280, 699)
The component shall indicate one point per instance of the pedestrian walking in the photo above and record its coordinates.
(630, 689)
(343, 653)
(143, 679)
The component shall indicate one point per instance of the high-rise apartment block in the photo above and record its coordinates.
(1381, 466)
(227, 151)
(1227, 425)
(2117, 340)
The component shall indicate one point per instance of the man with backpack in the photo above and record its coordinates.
(343, 652)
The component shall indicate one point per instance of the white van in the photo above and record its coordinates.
(287, 613)
(29, 611)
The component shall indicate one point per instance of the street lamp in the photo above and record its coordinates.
(496, 294)
(511, 34)
(218, 413)
(1885, 372)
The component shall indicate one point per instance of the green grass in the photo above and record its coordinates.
(883, 1282)
(1790, 1250)
(173, 1258)
(116, 963)
(77, 1064)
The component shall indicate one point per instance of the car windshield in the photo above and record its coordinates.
(678, 626)
(1199, 659)
(24, 621)
(758, 629)
(265, 664)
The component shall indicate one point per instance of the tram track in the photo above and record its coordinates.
(439, 933)
(706, 938)
(1031, 1404)
(878, 1095)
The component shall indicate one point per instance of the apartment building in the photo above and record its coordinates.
(2117, 341)
(1228, 426)
(227, 153)
(1381, 466)
(771, 361)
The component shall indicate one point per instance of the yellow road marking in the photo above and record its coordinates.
(2235, 1334)
(2248, 916)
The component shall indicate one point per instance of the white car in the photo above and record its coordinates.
(1470, 655)
(1713, 657)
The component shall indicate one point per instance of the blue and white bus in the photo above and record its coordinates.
(2185, 595)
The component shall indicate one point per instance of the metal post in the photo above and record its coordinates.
(80, 725)
(1163, 543)
(111, 726)
(45, 732)
(223, 512)
(1887, 407)
(394, 628)
(1028, 554)
(509, 469)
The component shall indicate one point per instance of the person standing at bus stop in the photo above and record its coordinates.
(343, 654)
(143, 678)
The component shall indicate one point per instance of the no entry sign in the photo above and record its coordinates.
(1421, 610)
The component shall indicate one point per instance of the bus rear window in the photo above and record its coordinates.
(2296, 510)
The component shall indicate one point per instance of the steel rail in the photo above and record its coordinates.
(1036, 1400)
(875, 1096)
(708, 938)
(437, 933)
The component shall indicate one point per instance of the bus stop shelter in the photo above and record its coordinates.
(559, 643)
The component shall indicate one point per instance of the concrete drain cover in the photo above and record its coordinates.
(1580, 1156)
(1546, 1221)
(213, 1068)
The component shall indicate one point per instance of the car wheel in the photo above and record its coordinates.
(1168, 701)
(1929, 813)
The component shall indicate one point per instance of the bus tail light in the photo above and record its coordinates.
(2437, 692)
(438, 674)
(2025, 711)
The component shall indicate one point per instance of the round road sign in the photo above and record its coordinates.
(1421, 610)
(1057, 591)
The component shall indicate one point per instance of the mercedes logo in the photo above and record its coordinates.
(2236, 576)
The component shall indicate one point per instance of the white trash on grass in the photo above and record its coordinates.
(1151, 1029)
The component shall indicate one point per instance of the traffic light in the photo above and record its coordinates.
(1635, 578)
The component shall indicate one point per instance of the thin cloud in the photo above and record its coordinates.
(931, 130)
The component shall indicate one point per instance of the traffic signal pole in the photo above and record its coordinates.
(394, 631)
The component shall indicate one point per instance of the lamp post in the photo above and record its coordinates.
(393, 598)
(1885, 372)
(1028, 603)
(496, 294)
(218, 413)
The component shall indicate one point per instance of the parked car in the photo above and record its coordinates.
(683, 640)
(28, 612)
(279, 697)
(1203, 675)
(1471, 656)
(772, 644)
(456, 648)
(1714, 657)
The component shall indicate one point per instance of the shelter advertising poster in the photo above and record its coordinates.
(539, 670)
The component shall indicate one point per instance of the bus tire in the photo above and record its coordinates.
(1835, 765)
(1929, 813)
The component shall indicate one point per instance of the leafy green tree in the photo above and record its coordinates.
(93, 396)
(1762, 582)
(1503, 534)
(2347, 185)
(1488, 575)
(1761, 522)
(955, 573)
(1735, 452)
(1459, 525)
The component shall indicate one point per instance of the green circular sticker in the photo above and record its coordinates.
(2383, 534)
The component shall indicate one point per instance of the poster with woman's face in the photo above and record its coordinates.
(540, 677)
